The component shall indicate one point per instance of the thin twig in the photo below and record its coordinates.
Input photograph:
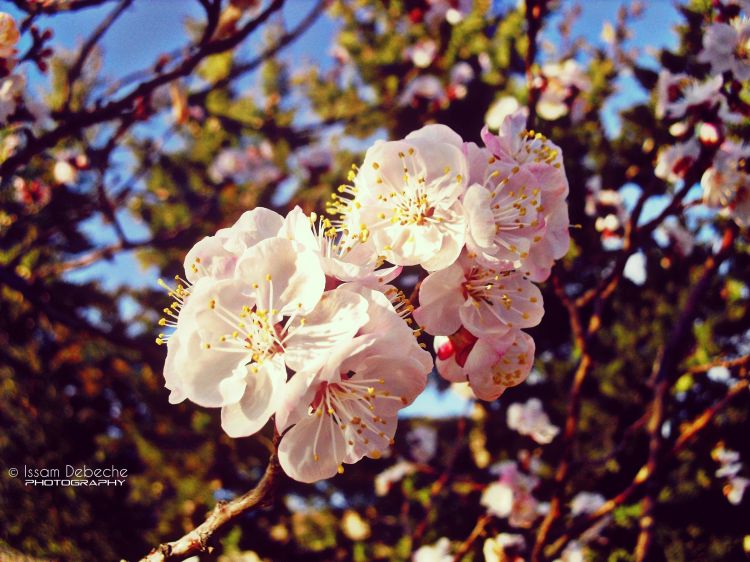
(645, 473)
(74, 122)
(197, 540)
(88, 46)
(663, 376)
(476, 533)
(535, 12)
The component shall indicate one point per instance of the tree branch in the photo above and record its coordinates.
(223, 513)
(88, 46)
(662, 379)
(77, 121)
(535, 12)
(646, 473)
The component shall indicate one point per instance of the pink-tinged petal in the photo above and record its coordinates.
(294, 405)
(313, 449)
(450, 370)
(286, 277)
(403, 379)
(297, 227)
(440, 298)
(454, 235)
(443, 166)
(491, 370)
(482, 319)
(252, 227)
(202, 370)
(552, 182)
(383, 321)
(233, 388)
(336, 319)
(209, 258)
(510, 301)
(553, 245)
(369, 440)
(481, 223)
(437, 133)
(301, 389)
(263, 392)
(477, 159)
(408, 244)
(382, 162)
(199, 364)
(177, 354)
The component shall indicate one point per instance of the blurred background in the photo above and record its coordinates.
(91, 217)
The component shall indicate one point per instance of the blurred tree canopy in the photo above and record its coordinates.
(646, 377)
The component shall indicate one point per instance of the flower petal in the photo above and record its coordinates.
(336, 319)
(440, 297)
(313, 449)
(263, 392)
(286, 276)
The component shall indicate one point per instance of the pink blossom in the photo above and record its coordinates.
(252, 164)
(726, 184)
(489, 365)
(486, 302)
(532, 155)
(726, 47)
(530, 419)
(216, 256)
(426, 87)
(346, 408)
(235, 337)
(33, 194)
(511, 496)
(342, 259)
(673, 162)
(560, 84)
(406, 196)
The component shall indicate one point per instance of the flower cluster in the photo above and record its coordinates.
(272, 296)
(512, 216)
(702, 113)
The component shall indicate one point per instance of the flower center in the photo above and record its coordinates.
(534, 147)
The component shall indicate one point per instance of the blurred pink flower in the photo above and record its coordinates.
(530, 419)
(511, 496)
(726, 47)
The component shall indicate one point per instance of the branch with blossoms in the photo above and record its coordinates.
(445, 257)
